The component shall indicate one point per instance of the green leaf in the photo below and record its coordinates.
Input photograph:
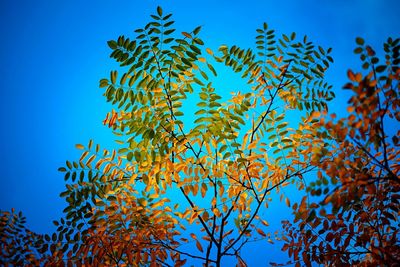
(167, 32)
(167, 17)
(199, 112)
(198, 41)
(195, 49)
(359, 41)
(111, 198)
(198, 81)
(374, 60)
(223, 148)
(73, 176)
(202, 104)
(238, 151)
(311, 216)
(168, 40)
(365, 65)
(242, 160)
(69, 165)
(212, 69)
(159, 11)
(380, 68)
(282, 125)
(186, 62)
(103, 83)
(227, 155)
(123, 78)
(152, 133)
(112, 44)
(197, 30)
(113, 77)
(285, 37)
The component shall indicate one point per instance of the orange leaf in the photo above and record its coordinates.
(195, 189)
(288, 202)
(199, 247)
(261, 232)
(358, 77)
(241, 263)
(351, 75)
(187, 35)
(206, 216)
(350, 109)
(179, 263)
(203, 189)
(265, 222)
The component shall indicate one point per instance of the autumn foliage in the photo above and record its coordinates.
(190, 188)
(350, 216)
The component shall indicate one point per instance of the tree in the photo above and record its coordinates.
(356, 223)
(170, 188)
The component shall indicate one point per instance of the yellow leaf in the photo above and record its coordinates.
(84, 154)
(225, 208)
(156, 205)
(221, 190)
(107, 168)
(208, 148)
(79, 146)
(90, 160)
(252, 145)
(214, 202)
(142, 202)
(216, 212)
(91, 142)
(209, 51)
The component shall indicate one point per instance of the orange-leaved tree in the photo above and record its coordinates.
(172, 192)
(351, 215)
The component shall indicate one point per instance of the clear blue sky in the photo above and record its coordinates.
(54, 52)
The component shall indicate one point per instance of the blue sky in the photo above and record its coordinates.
(53, 54)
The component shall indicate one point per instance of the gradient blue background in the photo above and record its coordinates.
(52, 54)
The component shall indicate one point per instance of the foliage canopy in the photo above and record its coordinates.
(193, 186)
(356, 223)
